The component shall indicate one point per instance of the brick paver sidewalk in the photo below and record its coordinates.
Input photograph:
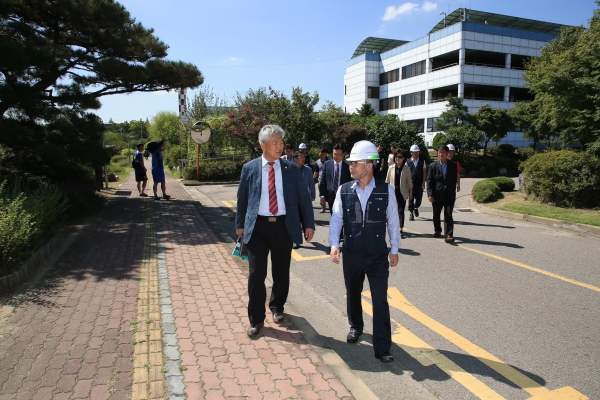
(148, 303)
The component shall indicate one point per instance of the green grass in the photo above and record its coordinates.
(588, 217)
(121, 167)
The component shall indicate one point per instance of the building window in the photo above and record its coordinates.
(345, 90)
(415, 69)
(373, 92)
(389, 77)
(390, 103)
(413, 99)
(419, 123)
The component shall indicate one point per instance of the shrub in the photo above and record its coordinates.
(485, 191)
(17, 230)
(565, 178)
(438, 140)
(505, 184)
(504, 150)
(219, 170)
(524, 152)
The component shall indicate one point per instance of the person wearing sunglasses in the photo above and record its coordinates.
(399, 177)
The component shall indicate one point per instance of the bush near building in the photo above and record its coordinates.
(504, 183)
(564, 178)
(485, 191)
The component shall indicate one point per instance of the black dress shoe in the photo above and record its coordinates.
(253, 330)
(449, 239)
(437, 234)
(385, 357)
(277, 317)
(353, 335)
(296, 246)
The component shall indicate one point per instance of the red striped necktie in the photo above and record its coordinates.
(272, 192)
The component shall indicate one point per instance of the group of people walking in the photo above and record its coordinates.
(274, 214)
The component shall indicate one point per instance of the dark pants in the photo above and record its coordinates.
(417, 197)
(401, 206)
(376, 268)
(448, 220)
(273, 237)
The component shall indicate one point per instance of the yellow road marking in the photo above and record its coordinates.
(397, 300)
(415, 349)
(518, 264)
(228, 204)
(427, 355)
(296, 256)
(534, 269)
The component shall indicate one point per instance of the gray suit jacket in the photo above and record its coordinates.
(298, 206)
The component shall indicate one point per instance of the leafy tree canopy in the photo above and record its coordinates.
(456, 114)
(566, 83)
(493, 122)
(366, 110)
(57, 58)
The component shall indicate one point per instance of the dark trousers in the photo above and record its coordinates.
(448, 220)
(376, 268)
(401, 206)
(417, 197)
(273, 237)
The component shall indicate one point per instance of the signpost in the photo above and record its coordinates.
(200, 133)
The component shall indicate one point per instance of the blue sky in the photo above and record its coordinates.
(247, 44)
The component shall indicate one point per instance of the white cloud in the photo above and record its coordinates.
(391, 13)
(236, 59)
(428, 6)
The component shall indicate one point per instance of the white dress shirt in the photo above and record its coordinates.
(417, 161)
(263, 207)
(393, 222)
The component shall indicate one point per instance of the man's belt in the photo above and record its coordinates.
(270, 218)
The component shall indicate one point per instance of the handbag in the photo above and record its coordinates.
(240, 249)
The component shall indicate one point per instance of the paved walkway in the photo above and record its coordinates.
(148, 303)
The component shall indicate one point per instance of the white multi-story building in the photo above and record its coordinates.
(475, 55)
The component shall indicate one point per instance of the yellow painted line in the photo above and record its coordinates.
(427, 355)
(534, 269)
(518, 264)
(398, 301)
(228, 204)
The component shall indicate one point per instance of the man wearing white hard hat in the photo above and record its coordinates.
(418, 172)
(364, 207)
(303, 148)
(451, 151)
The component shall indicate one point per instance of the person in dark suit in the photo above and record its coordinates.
(441, 190)
(336, 172)
(271, 197)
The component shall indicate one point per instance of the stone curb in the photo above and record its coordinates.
(556, 223)
(8, 282)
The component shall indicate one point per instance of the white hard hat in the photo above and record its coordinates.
(364, 150)
(302, 146)
(414, 147)
(451, 147)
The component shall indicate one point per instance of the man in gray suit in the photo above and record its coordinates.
(271, 199)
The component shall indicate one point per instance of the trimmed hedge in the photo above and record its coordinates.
(218, 170)
(565, 178)
(505, 184)
(485, 191)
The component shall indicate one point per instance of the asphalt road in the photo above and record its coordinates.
(511, 310)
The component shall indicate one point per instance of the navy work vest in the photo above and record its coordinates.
(416, 171)
(366, 236)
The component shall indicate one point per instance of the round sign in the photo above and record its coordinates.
(200, 132)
